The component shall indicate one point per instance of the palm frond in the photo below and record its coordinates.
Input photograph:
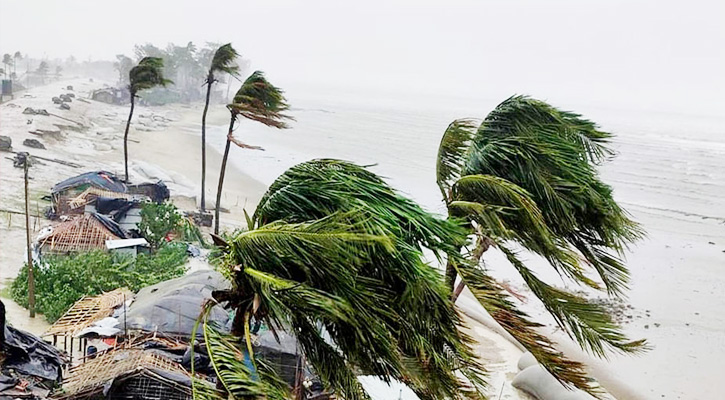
(337, 253)
(261, 101)
(456, 142)
(147, 74)
(552, 155)
(495, 301)
(588, 323)
(240, 375)
(224, 60)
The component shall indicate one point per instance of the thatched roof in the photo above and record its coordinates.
(88, 310)
(84, 233)
(93, 376)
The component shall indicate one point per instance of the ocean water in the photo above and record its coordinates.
(669, 173)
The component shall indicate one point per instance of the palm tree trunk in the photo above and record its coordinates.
(125, 136)
(203, 145)
(221, 176)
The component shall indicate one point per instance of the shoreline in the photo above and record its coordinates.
(169, 152)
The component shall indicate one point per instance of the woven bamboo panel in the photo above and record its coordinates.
(90, 194)
(96, 372)
(83, 233)
(88, 310)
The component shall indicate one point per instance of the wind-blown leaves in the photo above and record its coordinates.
(454, 146)
(147, 74)
(553, 154)
(528, 175)
(224, 60)
(336, 256)
(261, 101)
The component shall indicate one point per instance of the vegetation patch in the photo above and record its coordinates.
(60, 281)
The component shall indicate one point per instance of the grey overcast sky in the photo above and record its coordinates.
(669, 53)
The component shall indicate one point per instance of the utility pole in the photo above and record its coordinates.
(31, 281)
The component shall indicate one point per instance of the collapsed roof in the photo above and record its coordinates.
(109, 182)
(172, 307)
(132, 373)
(84, 233)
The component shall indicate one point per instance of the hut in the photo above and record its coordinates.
(70, 196)
(84, 233)
(127, 374)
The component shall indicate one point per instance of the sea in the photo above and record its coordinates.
(669, 174)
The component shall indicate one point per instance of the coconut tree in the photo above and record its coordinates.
(334, 256)
(16, 57)
(7, 61)
(257, 100)
(146, 75)
(224, 61)
(526, 175)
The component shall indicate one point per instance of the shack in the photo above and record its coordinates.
(112, 95)
(70, 196)
(127, 374)
(84, 233)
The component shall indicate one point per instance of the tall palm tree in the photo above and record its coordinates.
(526, 175)
(16, 57)
(7, 60)
(259, 101)
(146, 75)
(222, 62)
(334, 256)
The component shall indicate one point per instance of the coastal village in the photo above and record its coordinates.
(119, 343)
(174, 226)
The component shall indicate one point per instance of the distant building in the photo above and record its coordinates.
(112, 95)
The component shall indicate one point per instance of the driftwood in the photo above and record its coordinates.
(64, 118)
(55, 160)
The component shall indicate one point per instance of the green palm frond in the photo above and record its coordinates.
(147, 74)
(495, 301)
(318, 188)
(336, 257)
(261, 101)
(224, 60)
(505, 211)
(589, 323)
(553, 154)
(456, 142)
(239, 375)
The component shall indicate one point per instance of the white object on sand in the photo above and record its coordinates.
(538, 382)
(527, 359)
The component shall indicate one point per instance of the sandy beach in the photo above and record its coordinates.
(164, 144)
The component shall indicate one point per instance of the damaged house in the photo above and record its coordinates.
(84, 233)
(71, 196)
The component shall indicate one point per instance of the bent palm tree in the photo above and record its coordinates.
(259, 101)
(527, 175)
(223, 61)
(146, 75)
(334, 256)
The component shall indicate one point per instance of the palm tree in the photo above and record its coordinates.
(7, 60)
(526, 175)
(146, 75)
(334, 256)
(259, 101)
(223, 61)
(16, 57)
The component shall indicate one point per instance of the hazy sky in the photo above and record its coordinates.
(658, 53)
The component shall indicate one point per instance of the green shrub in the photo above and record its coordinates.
(160, 219)
(62, 280)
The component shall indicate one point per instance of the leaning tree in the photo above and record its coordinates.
(335, 257)
(527, 176)
(257, 100)
(146, 75)
(224, 61)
